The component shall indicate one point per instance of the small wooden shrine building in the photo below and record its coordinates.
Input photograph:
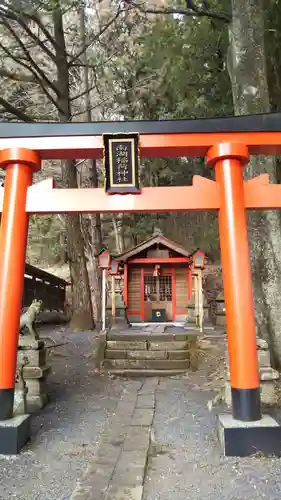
(158, 280)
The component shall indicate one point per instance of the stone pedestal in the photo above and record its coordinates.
(268, 376)
(220, 310)
(205, 309)
(191, 311)
(241, 439)
(34, 372)
(14, 434)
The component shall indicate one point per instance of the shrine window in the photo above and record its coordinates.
(157, 288)
(165, 288)
(150, 288)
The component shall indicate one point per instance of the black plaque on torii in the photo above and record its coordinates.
(121, 163)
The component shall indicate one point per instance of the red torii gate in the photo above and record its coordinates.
(226, 143)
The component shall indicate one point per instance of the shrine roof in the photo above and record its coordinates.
(153, 240)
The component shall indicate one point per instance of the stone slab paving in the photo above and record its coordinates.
(117, 471)
(155, 333)
(190, 464)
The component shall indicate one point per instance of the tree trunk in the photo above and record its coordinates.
(96, 232)
(118, 233)
(247, 69)
(135, 236)
(82, 315)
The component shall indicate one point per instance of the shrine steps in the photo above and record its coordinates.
(128, 373)
(149, 352)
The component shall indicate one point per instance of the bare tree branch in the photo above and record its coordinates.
(35, 18)
(82, 93)
(94, 66)
(36, 79)
(138, 84)
(14, 111)
(36, 39)
(21, 20)
(30, 59)
(14, 14)
(22, 17)
(193, 12)
(18, 60)
(98, 35)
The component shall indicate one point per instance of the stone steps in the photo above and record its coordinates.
(180, 354)
(150, 352)
(144, 364)
(130, 373)
(185, 335)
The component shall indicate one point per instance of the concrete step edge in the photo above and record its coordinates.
(142, 355)
(143, 372)
(153, 337)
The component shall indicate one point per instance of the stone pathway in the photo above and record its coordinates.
(118, 470)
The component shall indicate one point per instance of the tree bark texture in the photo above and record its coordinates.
(247, 70)
(118, 233)
(95, 219)
(82, 313)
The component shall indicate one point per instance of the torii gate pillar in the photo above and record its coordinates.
(229, 160)
(19, 165)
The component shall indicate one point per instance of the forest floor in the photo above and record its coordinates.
(86, 409)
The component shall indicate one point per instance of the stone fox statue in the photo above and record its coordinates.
(28, 318)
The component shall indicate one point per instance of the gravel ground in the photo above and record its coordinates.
(66, 433)
(191, 465)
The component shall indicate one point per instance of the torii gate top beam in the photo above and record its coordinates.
(164, 138)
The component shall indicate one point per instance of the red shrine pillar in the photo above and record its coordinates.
(19, 164)
(228, 160)
(125, 285)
